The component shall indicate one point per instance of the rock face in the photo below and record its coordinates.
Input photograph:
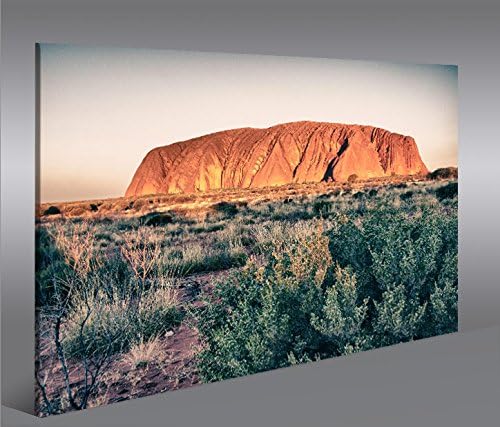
(295, 152)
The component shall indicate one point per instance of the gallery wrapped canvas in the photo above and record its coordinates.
(208, 216)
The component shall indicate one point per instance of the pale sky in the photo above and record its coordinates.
(103, 109)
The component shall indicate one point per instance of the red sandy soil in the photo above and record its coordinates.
(121, 381)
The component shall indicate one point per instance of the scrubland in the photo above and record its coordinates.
(145, 295)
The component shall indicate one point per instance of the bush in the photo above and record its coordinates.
(284, 312)
(359, 195)
(352, 178)
(406, 196)
(52, 210)
(194, 259)
(319, 290)
(256, 319)
(398, 316)
(321, 207)
(448, 191)
(444, 173)
(443, 309)
(121, 205)
(342, 316)
(99, 319)
(156, 219)
(107, 303)
(226, 208)
(49, 263)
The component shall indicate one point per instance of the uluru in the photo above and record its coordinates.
(296, 152)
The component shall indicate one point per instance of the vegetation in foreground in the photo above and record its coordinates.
(304, 278)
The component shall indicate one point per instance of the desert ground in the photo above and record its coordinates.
(140, 295)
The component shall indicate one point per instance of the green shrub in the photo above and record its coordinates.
(349, 284)
(349, 246)
(443, 309)
(261, 322)
(226, 208)
(403, 250)
(49, 266)
(406, 196)
(398, 316)
(321, 207)
(359, 195)
(444, 173)
(342, 317)
(128, 224)
(283, 312)
(156, 219)
(448, 191)
(254, 326)
(52, 210)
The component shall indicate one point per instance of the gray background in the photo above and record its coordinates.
(451, 380)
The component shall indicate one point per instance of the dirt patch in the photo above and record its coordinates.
(174, 370)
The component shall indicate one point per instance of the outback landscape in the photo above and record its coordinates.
(240, 252)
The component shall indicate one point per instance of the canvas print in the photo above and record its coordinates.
(206, 216)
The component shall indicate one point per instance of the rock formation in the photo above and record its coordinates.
(295, 152)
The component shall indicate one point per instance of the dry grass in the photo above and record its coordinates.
(142, 250)
(133, 281)
(77, 244)
(144, 353)
(201, 203)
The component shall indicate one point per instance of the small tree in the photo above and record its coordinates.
(91, 363)
(76, 247)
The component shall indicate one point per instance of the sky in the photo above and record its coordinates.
(103, 109)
